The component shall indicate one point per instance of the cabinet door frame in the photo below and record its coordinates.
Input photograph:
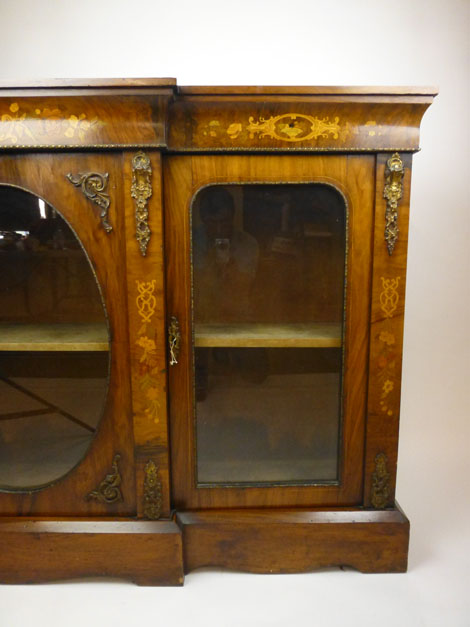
(44, 174)
(353, 176)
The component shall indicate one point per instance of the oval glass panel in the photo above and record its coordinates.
(54, 344)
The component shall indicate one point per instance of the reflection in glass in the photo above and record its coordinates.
(268, 291)
(53, 344)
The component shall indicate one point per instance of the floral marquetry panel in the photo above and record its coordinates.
(310, 123)
(89, 122)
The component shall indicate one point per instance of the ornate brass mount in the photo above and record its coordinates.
(93, 186)
(380, 491)
(109, 489)
(393, 191)
(141, 191)
(152, 492)
(174, 340)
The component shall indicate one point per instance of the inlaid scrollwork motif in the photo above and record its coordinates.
(146, 301)
(141, 191)
(288, 127)
(380, 491)
(152, 492)
(389, 295)
(393, 191)
(94, 186)
(109, 490)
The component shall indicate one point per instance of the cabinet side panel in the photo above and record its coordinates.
(147, 332)
(386, 339)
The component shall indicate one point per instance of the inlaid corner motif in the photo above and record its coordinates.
(148, 362)
(21, 123)
(380, 491)
(152, 492)
(141, 191)
(393, 191)
(94, 187)
(109, 490)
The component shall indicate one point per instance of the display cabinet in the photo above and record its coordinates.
(201, 322)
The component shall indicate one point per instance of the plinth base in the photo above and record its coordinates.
(147, 552)
(293, 541)
(159, 552)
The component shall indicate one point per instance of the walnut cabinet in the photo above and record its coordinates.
(201, 321)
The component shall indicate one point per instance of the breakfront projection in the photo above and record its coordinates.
(201, 318)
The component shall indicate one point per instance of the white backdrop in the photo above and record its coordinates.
(306, 42)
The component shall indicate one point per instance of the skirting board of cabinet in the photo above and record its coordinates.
(146, 552)
(293, 541)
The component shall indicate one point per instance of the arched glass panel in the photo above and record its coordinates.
(268, 304)
(54, 347)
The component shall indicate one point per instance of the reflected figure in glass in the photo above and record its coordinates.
(268, 302)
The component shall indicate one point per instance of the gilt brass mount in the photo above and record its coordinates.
(141, 191)
(109, 490)
(393, 191)
(152, 492)
(380, 478)
(94, 186)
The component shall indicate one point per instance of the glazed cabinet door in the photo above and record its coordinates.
(66, 441)
(268, 300)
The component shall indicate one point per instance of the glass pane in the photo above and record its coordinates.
(54, 348)
(268, 292)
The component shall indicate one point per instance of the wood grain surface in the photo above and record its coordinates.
(45, 176)
(296, 122)
(34, 551)
(196, 137)
(353, 176)
(287, 541)
(147, 335)
(386, 334)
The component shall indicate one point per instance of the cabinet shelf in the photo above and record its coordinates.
(53, 337)
(313, 335)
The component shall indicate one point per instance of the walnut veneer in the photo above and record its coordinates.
(155, 145)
